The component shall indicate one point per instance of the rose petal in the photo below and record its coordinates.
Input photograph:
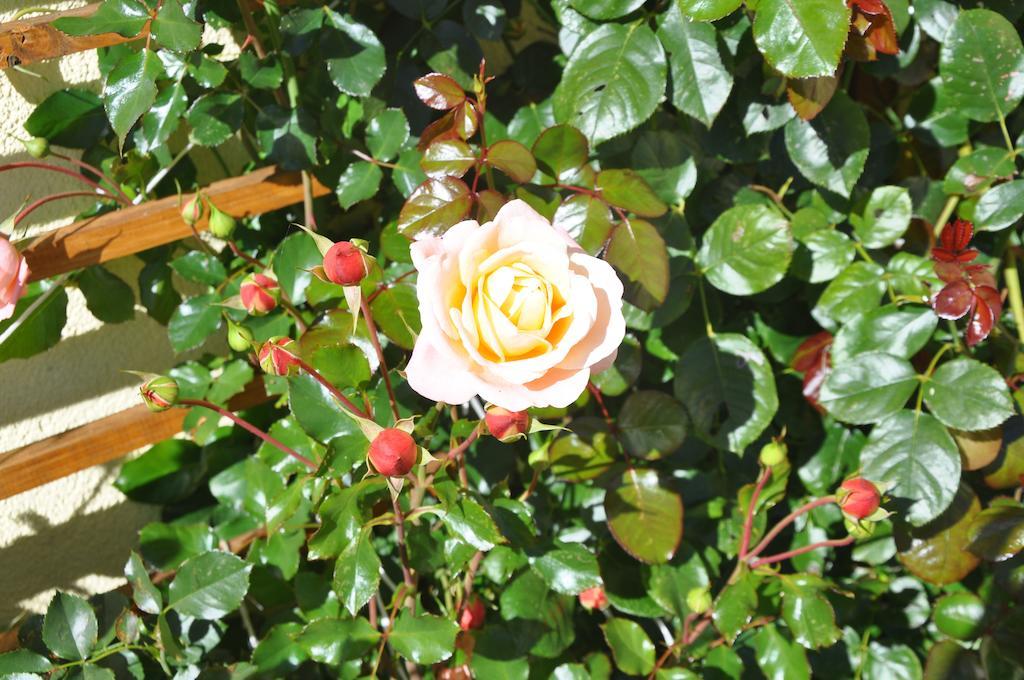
(437, 376)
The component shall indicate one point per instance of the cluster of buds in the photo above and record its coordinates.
(393, 452)
(160, 393)
(221, 224)
(279, 356)
(260, 294)
(507, 426)
(861, 503)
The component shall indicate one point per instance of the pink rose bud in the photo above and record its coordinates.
(160, 393)
(259, 294)
(345, 264)
(393, 452)
(594, 598)
(858, 498)
(13, 277)
(507, 426)
(473, 614)
(192, 210)
(278, 356)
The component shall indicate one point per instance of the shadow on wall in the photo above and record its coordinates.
(58, 554)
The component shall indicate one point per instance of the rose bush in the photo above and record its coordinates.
(649, 339)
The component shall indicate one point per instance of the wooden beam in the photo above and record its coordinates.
(131, 230)
(99, 442)
(35, 39)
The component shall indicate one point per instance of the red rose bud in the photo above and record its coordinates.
(345, 264)
(507, 426)
(192, 210)
(160, 393)
(594, 598)
(858, 498)
(473, 614)
(278, 357)
(393, 452)
(259, 294)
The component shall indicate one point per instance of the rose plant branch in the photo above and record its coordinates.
(375, 341)
(829, 543)
(786, 521)
(748, 521)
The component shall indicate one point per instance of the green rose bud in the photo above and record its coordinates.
(240, 338)
(37, 147)
(772, 454)
(192, 210)
(222, 225)
(160, 393)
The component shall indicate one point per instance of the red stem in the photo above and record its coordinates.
(403, 554)
(53, 197)
(372, 328)
(831, 543)
(787, 520)
(238, 253)
(245, 424)
(384, 286)
(748, 522)
(64, 171)
(335, 392)
(94, 170)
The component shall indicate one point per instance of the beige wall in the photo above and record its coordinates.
(74, 533)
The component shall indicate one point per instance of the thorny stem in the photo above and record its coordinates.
(239, 253)
(384, 286)
(47, 199)
(246, 425)
(94, 170)
(748, 522)
(375, 341)
(64, 171)
(403, 553)
(831, 543)
(787, 520)
(335, 392)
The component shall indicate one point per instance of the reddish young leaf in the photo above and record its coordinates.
(987, 308)
(814, 378)
(872, 30)
(808, 354)
(949, 271)
(980, 275)
(466, 120)
(442, 128)
(954, 300)
(439, 91)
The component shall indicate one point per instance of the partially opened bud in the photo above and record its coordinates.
(278, 356)
(239, 337)
(772, 454)
(698, 600)
(345, 264)
(858, 498)
(259, 294)
(593, 598)
(473, 614)
(507, 426)
(393, 452)
(192, 210)
(222, 225)
(160, 393)
(37, 147)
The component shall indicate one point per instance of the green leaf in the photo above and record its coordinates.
(885, 217)
(215, 118)
(174, 30)
(779, 657)
(628, 190)
(130, 90)
(916, 453)
(331, 641)
(662, 159)
(20, 663)
(884, 663)
(423, 639)
(513, 159)
(71, 117)
(209, 586)
(708, 10)
(69, 627)
(605, 9)
(728, 389)
(734, 607)
(638, 251)
(156, 291)
(470, 522)
(355, 57)
(167, 546)
(830, 250)
(287, 137)
(802, 39)
(250, 486)
(110, 299)
(856, 290)
(1000, 206)
(263, 74)
(807, 612)
(360, 181)
(162, 119)
(342, 516)
(147, 596)
(199, 267)
(645, 518)
(569, 570)
(397, 312)
(573, 460)
(294, 256)
(982, 65)
(587, 220)
(434, 206)
(968, 395)
(978, 170)
(357, 573)
(124, 17)
(832, 149)
(997, 533)
(652, 424)
(899, 331)
(447, 157)
(700, 81)
(632, 650)
(868, 388)
(193, 321)
(746, 250)
(167, 473)
(560, 150)
(614, 80)
(937, 552)
(39, 330)
(960, 615)
(316, 410)
(386, 134)
(947, 659)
